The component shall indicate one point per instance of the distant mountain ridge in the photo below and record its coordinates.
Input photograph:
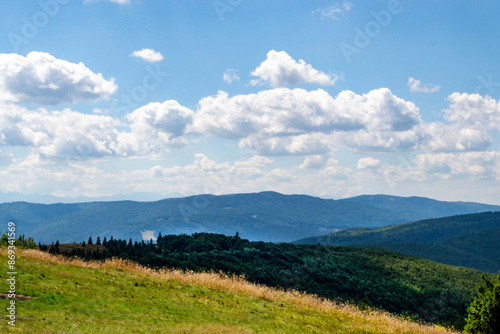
(265, 216)
(466, 240)
(423, 206)
(50, 199)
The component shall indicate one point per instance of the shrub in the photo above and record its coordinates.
(484, 312)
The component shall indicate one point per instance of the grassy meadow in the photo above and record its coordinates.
(119, 296)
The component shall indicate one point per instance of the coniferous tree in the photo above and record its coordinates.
(98, 241)
(90, 241)
(105, 242)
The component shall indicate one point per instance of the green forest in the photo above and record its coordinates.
(465, 240)
(415, 288)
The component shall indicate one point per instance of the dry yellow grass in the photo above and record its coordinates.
(372, 319)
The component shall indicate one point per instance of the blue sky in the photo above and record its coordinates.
(326, 98)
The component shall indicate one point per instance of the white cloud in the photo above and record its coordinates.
(76, 137)
(333, 11)
(482, 164)
(256, 161)
(40, 78)
(281, 175)
(368, 162)
(473, 110)
(274, 122)
(429, 168)
(347, 5)
(417, 86)
(286, 121)
(149, 55)
(334, 171)
(314, 161)
(279, 70)
(60, 134)
(230, 75)
(454, 138)
(305, 144)
(158, 124)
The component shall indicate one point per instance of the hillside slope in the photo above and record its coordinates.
(391, 281)
(266, 216)
(466, 240)
(72, 296)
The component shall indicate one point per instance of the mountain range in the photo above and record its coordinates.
(10, 197)
(265, 216)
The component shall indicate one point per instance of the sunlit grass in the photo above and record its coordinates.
(120, 296)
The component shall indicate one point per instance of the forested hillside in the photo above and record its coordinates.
(418, 288)
(466, 240)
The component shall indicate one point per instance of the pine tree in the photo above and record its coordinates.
(90, 241)
(56, 248)
(98, 241)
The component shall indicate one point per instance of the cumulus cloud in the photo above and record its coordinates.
(441, 137)
(368, 162)
(314, 161)
(473, 110)
(417, 86)
(42, 79)
(305, 144)
(149, 55)
(274, 122)
(332, 12)
(158, 124)
(286, 121)
(60, 134)
(255, 161)
(333, 170)
(279, 70)
(480, 164)
(230, 75)
(68, 134)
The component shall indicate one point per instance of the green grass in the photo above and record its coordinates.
(123, 298)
